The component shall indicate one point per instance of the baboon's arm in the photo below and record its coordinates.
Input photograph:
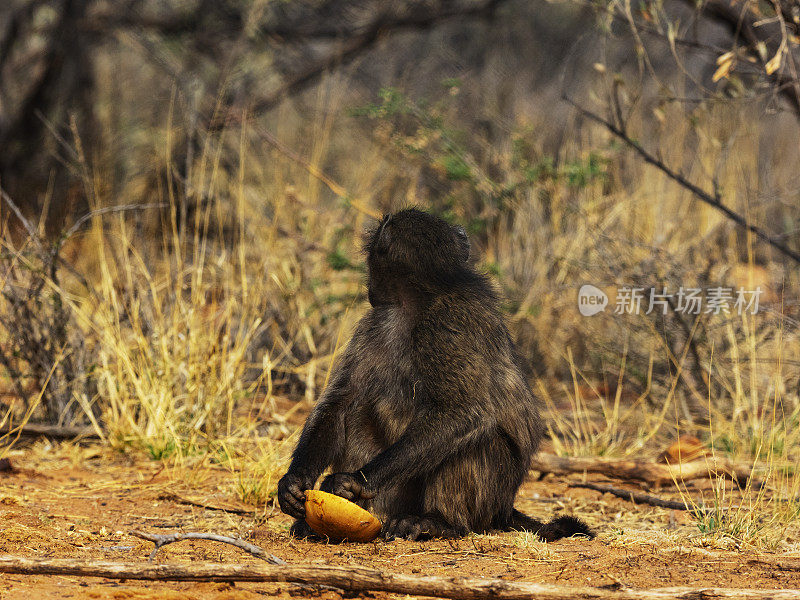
(319, 442)
(321, 438)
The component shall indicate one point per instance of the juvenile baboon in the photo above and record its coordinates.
(427, 417)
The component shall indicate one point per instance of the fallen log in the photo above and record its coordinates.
(650, 472)
(360, 579)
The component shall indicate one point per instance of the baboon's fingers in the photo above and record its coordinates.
(347, 486)
(340, 485)
(298, 500)
(301, 530)
(356, 491)
(291, 496)
(293, 507)
(349, 489)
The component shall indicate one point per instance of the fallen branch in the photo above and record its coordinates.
(635, 497)
(360, 579)
(106, 210)
(161, 540)
(649, 472)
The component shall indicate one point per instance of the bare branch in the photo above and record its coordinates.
(421, 15)
(337, 189)
(161, 540)
(32, 233)
(58, 432)
(712, 200)
(358, 41)
(635, 497)
(103, 211)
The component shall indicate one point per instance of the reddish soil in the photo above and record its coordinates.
(82, 503)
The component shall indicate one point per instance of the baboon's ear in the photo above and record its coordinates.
(463, 241)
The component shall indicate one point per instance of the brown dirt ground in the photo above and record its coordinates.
(83, 502)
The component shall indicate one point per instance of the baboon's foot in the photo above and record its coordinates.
(414, 527)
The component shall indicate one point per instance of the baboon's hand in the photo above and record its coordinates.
(351, 486)
(291, 494)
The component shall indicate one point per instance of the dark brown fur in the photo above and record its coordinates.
(427, 417)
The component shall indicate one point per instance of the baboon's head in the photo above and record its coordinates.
(412, 249)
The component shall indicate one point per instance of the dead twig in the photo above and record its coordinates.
(782, 563)
(635, 497)
(711, 199)
(337, 189)
(161, 540)
(105, 210)
(169, 496)
(743, 24)
(360, 579)
(39, 342)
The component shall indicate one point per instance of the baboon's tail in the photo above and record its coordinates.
(558, 528)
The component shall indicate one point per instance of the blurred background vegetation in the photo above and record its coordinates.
(185, 184)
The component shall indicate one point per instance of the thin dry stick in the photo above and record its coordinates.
(337, 189)
(229, 509)
(712, 200)
(105, 210)
(32, 233)
(782, 563)
(635, 497)
(161, 540)
(743, 23)
(360, 579)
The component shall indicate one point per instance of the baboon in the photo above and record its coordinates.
(427, 417)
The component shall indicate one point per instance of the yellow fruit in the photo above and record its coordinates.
(339, 519)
